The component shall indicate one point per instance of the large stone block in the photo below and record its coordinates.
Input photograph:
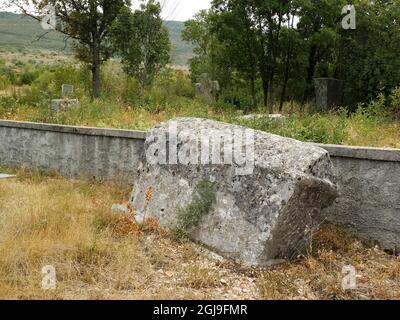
(261, 211)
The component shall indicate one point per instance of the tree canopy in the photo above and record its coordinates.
(279, 47)
(104, 28)
(142, 42)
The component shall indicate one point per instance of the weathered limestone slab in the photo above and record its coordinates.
(207, 88)
(58, 105)
(6, 176)
(261, 218)
(271, 117)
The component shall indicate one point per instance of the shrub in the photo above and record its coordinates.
(156, 99)
(50, 81)
(9, 73)
(4, 82)
(238, 97)
(184, 86)
(395, 102)
(18, 63)
(378, 107)
(27, 77)
(131, 92)
(202, 202)
(113, 80)
(323, 129)
(319, 128)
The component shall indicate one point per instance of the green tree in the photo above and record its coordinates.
(369, 58)
(269, 17)
(292, 57)
(208, 52)
(233, 28)
(285, 45)
(319, 25)
(88, 22)
(252, 30)
(142, 42)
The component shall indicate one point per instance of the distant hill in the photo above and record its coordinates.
(182, 51)
(21, 32)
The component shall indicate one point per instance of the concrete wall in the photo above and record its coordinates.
(369, 186)
(72, 151)
(368, 178)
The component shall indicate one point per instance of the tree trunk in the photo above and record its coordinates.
(265, 86)
(310, 73)
(271, 91)
(96, 85)
(274, 43)
(253, 93)
(285, 80)
(263, 66)
(287, 66)
(96, 72)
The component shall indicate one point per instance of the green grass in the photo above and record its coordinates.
(26, 90)
(333, 128)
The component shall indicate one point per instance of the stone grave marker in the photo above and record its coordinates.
(262, 218)
(328, 92)
(270, 117)
(67, 90)
(208, 89)
(60, 105)
(6, 176)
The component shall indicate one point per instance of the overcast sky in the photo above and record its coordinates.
(182, 10)
(178, 10)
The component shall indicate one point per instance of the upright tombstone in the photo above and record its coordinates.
(215, 90)
(207, 88)
(67, 90)
(60, 105)
(328, 92)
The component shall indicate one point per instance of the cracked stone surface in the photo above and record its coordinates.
(261, 219)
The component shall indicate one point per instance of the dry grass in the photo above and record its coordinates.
(46, 220)
(385, 134)
(39, 57)
(319, 275)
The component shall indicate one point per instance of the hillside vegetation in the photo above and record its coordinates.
(28, 88)
(18, 32)
(29, 80)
